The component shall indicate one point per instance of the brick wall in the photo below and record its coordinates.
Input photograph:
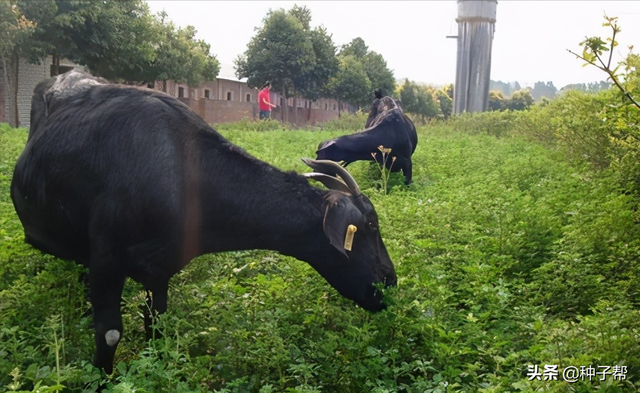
(218, 111)
(229, 100)
(29, 75)
(228, 103)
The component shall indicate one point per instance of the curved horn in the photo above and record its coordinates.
(332, 168)
(331, 182)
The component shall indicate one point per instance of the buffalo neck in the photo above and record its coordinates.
(242, 203)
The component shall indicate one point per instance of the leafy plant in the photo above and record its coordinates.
(509, 252)
(385, 167)
(593, 54)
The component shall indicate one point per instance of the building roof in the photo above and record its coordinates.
(228, 72)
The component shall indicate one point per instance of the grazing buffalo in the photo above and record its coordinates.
(386, 126)
(130, 182)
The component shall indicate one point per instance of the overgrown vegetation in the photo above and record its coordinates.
(516, 245)
(516, 248)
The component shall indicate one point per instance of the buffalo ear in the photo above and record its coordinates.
(339, 216)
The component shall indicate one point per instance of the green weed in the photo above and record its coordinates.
(508, 253)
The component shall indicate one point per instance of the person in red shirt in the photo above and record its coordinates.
(264, 102)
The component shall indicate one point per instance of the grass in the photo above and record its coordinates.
(507, 256)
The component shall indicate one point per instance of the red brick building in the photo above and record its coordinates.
(226, 99)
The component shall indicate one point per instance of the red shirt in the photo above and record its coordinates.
(262, 96)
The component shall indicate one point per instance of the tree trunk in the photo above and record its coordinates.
(286, 104)
(339, 105)
(13, 91)
(10, 67)
(55, 63)
(5, 91)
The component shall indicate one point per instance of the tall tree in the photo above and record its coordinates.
(444, 103)
(118, 40)
(351, 83)
(312, 84)
(519, 100)
(285, 51)
(497, 101)
(356, 48)
(303, 15)
(378, 73)
(418, 100)
(179, 56)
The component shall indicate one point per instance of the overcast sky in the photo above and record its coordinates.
(530, 43)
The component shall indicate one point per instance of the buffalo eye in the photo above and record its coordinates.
(372, 225)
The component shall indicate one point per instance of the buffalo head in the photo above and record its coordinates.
(357, 259)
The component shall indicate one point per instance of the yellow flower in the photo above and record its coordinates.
(384, 150)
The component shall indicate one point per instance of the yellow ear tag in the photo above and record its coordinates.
(348, 239)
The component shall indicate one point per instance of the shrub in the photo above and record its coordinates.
(247, 124)
(346, 122)
(496, 123)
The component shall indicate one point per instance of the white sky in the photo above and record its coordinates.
(530, 42)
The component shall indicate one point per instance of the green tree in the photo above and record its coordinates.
(444, 103)
(378, 73)
(497, 101)
(380, 76)
(179, 56)
(110, 38)
(408, 95)
(312, 84)
(351, 83)
(356, 48)
(507, 88)
(418, 100)
(118, 40)
(282, 52)
(519, 100)
(303, 15)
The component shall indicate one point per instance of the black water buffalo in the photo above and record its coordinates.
(130, 182)
(386, 126)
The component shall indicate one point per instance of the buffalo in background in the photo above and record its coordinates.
(386, 126)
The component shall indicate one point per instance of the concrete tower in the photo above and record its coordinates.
(476, 24)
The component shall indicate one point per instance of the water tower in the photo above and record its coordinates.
(476, 24)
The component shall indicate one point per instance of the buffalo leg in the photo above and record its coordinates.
(404, 165)
(407, 171)
(106, 283)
